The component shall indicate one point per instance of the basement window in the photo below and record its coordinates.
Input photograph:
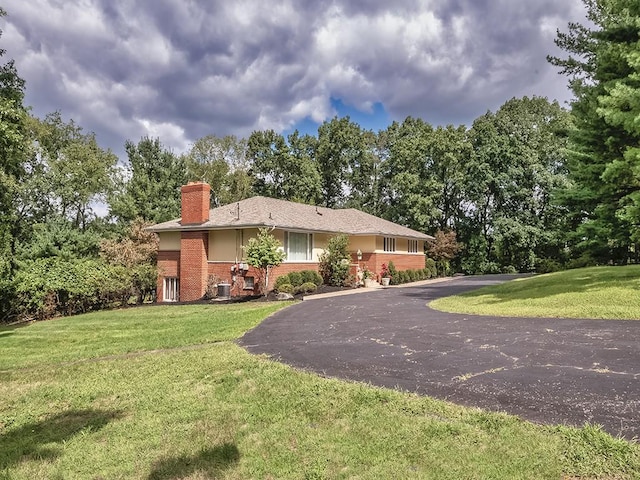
(171, 290)
(249, 283)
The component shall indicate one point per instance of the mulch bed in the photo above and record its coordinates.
(272, 297)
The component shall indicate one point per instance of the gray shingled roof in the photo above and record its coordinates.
(270, 212)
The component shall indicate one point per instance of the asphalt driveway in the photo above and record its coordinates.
(545, 370)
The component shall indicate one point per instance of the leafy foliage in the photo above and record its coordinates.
(14, 146)
(444, 248)
(222, 163)
(335, 261)
(151, 189)
(264, 252)
(53, 286)
(298, 278)
(604, 73)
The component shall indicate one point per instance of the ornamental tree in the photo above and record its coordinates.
(264, 252)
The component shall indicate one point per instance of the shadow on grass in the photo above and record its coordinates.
(210, 461)
(42, 440)
(9, 329)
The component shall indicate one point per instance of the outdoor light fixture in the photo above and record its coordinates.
(359, 254)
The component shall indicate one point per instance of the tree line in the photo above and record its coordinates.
(529, 187)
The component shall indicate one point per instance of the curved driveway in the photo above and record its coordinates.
(544, 370)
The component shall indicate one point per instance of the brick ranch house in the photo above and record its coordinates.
(206, 242)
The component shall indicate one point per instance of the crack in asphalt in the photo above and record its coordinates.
(557, 370)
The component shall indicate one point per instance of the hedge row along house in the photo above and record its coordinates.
(207, 243)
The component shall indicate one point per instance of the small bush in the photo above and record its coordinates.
(311, 276)
(287, 288)
(307, 287)
(281, 280)
(584, 261)
(547, 265)
(430, 264)
(509, 269)
(393, 273)
(351, 281)
(426, 273)
(295, 279)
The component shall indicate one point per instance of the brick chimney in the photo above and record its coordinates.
(195, 203)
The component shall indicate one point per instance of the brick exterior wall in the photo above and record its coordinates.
(168, 266)
(222, 270)
(195, 203)
(193, 269)
(193, 265)
(402, 261)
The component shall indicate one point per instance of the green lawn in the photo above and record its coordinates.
(94, 397)
(597, 292)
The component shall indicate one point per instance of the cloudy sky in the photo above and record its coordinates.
(183, 69)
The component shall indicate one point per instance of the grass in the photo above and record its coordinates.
(216, 411)
(597, 292)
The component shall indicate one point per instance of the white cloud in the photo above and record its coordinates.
(181, 70)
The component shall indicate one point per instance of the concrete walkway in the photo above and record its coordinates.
(545, 370)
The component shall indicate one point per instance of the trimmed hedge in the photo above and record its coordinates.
(297, 279)
(408, 276)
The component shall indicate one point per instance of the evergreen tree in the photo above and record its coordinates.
(152, 189)
(604, 70)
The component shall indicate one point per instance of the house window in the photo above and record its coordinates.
(413, 246)
(298, 246)
(249, 283)
(389, 244)
(171, 290)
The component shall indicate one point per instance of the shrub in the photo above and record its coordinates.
(426, 273)
(401, 277)
(351, 281)
(287, 288)
(583, 261)
(307, 287)
(53, 286)
(311, 276)
(7, 294)
(335, 260)
(281, 280)
(413, 275)
(509, 269)
(393, 273)
(430, 264)
(295, 279)
(547, 265)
